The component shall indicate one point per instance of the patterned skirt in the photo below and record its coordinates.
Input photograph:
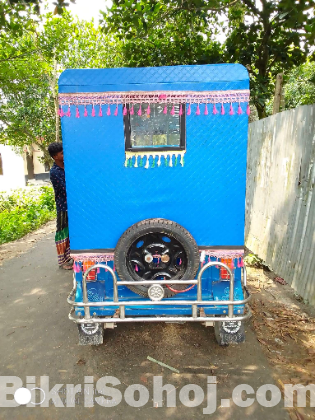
(62, 238)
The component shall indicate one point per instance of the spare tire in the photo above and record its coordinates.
(156, 249)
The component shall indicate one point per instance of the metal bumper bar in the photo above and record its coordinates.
(170, 303)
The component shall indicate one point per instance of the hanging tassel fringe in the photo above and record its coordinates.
(125, 112)
(148, 110)
(214, 110)
(165, 110)
(116, 111)
(180, 110)
(108, 110)
(85, 112)
(198, 110)
(100, 112)
(77, 113)
(222, 110)
(156, 159)
(173, 110)
(93, 111)
(206, 110)
(132, 111)
(231, 112)
(189, 110)
(239, 109)
(140, 111)
(248, 110)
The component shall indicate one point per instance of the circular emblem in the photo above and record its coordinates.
(156, 292)
(90, 328)
(231, 327)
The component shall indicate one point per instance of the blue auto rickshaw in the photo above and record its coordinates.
(155, 162)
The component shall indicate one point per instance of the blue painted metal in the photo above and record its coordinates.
(206, 196)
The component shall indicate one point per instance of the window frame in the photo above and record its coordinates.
(182, 135)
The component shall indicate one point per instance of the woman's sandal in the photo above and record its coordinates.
(67, 266)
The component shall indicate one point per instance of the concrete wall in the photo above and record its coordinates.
(13, 169)
(280, 204)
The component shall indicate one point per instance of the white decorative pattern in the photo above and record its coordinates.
(165, 97)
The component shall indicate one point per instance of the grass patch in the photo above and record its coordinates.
(25, 210)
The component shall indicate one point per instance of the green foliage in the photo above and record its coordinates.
(299, 88)
(253, 260)
(29, 71)
(267, 37)
(24, 211)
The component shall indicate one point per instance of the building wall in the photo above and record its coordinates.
(12, 168)
(40, 171)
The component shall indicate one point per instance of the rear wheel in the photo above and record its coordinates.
(157, 249)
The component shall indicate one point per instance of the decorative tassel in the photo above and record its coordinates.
(153, 162)
(136, 268)
(175, 164)
(77, 113)
(68, 113)
(214, 110)
(222, 110)
(130, 162)
(126, 162)
(108, 110)
(165, 110)
(206, 110)
(231, 112)
(189, 110)
(239, 109)
(136, 162)
(171, 161)
(147, 162)
(125, 112)
(141, 161)
(100, 112)
(159, 161)
(116, 111)
(148, 110)
(242, 262)
(173, 110)
(180, 110)
(165, 160)
(140, 111)
(198, 110)
(60, 112)
(182, 160)
(93, 111)
(85, 112)
(248, 110)
(132, 111)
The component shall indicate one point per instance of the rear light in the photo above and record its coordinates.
(224, 274)
(92, 274)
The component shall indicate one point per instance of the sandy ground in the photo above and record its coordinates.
(37, 339)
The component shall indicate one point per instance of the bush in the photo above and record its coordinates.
(25, 210)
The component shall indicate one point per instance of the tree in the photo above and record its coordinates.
(267, 37)
(299, 88)
(28, 83)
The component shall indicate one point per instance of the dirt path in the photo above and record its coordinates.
(285, 328)
(37, 339)
(20, 246)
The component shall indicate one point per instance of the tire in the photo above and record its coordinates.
(175, 234)
(91, 334)
(229, 332)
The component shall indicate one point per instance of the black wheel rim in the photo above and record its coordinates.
(169, 258)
